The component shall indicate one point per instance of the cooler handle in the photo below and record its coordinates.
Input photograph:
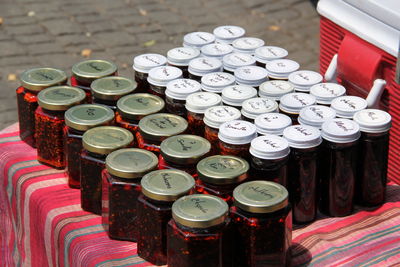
(331, 71)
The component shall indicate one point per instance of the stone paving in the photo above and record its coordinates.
(57, 33)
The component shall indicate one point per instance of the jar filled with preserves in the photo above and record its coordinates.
(265, 54)
(32, 82)
(237, 60)
(303, 80)
(272, 123)
(159, 77)
(49, 122)
(228, 33)
(262, 223)
(254, 107)
(326, 92)
(235, 95)
(201, 66)
(215, 82)
(275, 89)
(181, 56)
(251, 75)
(247, 45)
(142, 64)
(97, 143)
(217, 50)
(347, 106)
(159, 191)
(176, 94)
(198, 39)
(316, 115)
(280, 69)
(291, 104)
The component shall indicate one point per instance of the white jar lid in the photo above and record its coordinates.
(341, 130)
(200, 101)
(237, 132)
(272, 123)
(267, 53)
(181, 56)
(216, 50)
(269, 147)
(275, 89)
(198, 39)
(281, 68)
(181, 88)
(227, 34)
(304, 79)
(145, 62)
(302, 136)
(326, 92)
(373, 120)
(247, 44)
(203, 65)
(160, 76)
(215, 82)
(251, 75)
(253, 107)
(315, 115)
(294, 102)
(215, 116)
(235, 95)
(347, 106)
(237, 60)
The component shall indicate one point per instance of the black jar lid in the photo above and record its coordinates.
(112, 87)
(86, 116)
(60, 98)
(38, 79)
(137, 106)
(160, 126)
(89, 70)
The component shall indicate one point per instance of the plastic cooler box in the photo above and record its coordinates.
(359, 47)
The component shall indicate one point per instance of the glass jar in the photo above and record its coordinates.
(265, 54)
(216, 50)
(49, 118)
(215, 82)
(326, 92)
(291, 104)
(120, 183)
(159, 77)
(254, 107)
(237, 60)
(228, 33)
(79, 119)
(159, 191)
(303, 80)
(272, 123)
(235, 95)
(247, 45)
(275, 89)
(198, 39)
(142, 64)
(251, 75)
(279, 69)
(339, 166)
(269, 159)
(219, 175)
(199, 234)
(304, 142)
(97, 143)
(180, 57)
(176, 94)
(315, 115)
(347, 106)
(201, 66)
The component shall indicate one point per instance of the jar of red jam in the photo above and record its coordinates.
(303, 80)
(49, 118)
(326, 92)
(154, 210)
(251, 75)
(181, 56)
(98, 143)
(201, 66)
(347, 106)
(198, 39)
(219, 175)
(291, 104)
(275, 89)
(304, 142)
(338, 166)
(215, 82)
(121, 188)
(254, 107)
(176, 94)
(199, 234)
(79, 119)
(142, 64)
(316, 115)
(237, 60)
(216, 50)
(265, 54)
(272, 123)
(262, 223)
(235, 95)
(159, 77)
(247, 45)
(228, 33)
(280, 69)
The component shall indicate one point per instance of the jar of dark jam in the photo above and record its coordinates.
(251, 75)
(304, 142)
(108, 90)
(316, 115)
(142, 64)
(176, 94)
(303, 80)
(346, 106)
(235, 95)
(121, 189)
(180, 57)
(79, 119)
(215, 82)
(182, 152)
(219, 175)
(32, 82)
(198, 39)
(279, 69)
(155, 128)
(247, 45)
(159, 77)
(291, 104)
(372, 162)
(265, 54)
(272, 123)
(98, 142)
(228, 33)
(216, 50)
(199, 233)
(269, 159)
(254, 107)
(275, 89)
(338, 166)
(262, 223)
(159, 191)
(49, 126)
(237, 60)
(200, 66)
(326, 92)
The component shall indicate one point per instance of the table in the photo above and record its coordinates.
(42, 224)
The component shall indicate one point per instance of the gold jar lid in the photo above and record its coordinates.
(166, 185)
(199, 211)
(89, 70)
(112, 87)
(184, 148)
(260, 196)
(131, 163)
(137, 106)
(60, 97)
(40, 78)
(86, 116)
(159, 126)
(105, 139)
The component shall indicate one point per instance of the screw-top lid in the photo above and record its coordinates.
(181, 56)
(254, 107)
(222, 169)
(260, 196)
(235, 95)
(200, 211)
(216, 50)
(302, 136)
(341, 130)
(215, 116)
(199, 102)
(269, 147)
(145, 62)
(160, 76)
(112, 88)
(304, 79)
(137, 106)
(202, 65)
(326, 92)
(131, 163)
(275, 89)
(40, 78)
(267, 53)
(92, 69)
(84, 117)
(247, 44)
(373, 120)
(166, 185)
(272, 123)
(160, 126)
(198, 39)
(315, 115)
(251, 75)
(237, 60)
(227, 34)
(105, 139)
(181, 88)
(294, 102)
(60, 97)
(237, 132)
(347, 106)
(281, 68)
(216, 81)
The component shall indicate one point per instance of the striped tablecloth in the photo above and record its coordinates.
(42, 224)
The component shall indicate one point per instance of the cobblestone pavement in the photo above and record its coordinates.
(57, 33)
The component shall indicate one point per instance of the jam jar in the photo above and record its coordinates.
(215, 82)
(180, 57)
(235, 95)
(108, 90)
(275, 89)
(97, 143)
(372, 162)
(79, 119)
(132, 108)
(142, 64)
(253, 107)
(265, 54)
(247, 45)
(237, 60)
(303, 80)
(49, 122)
(154, 210)
(291, 104)
(121, 189)
(251, 75)
(326, 92)
(153, 129)
(338, 166)
(269, 159)
(200, 66)
(199, 233)
(176, 94)
(216, 50)
(316, 115)
(347, 106)
(262, 224)
(182, 152)
(219, 175)
(304, 142)
(159, 77)
(228, 33)
(198, 39)
(272, 123)
(279, 69)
